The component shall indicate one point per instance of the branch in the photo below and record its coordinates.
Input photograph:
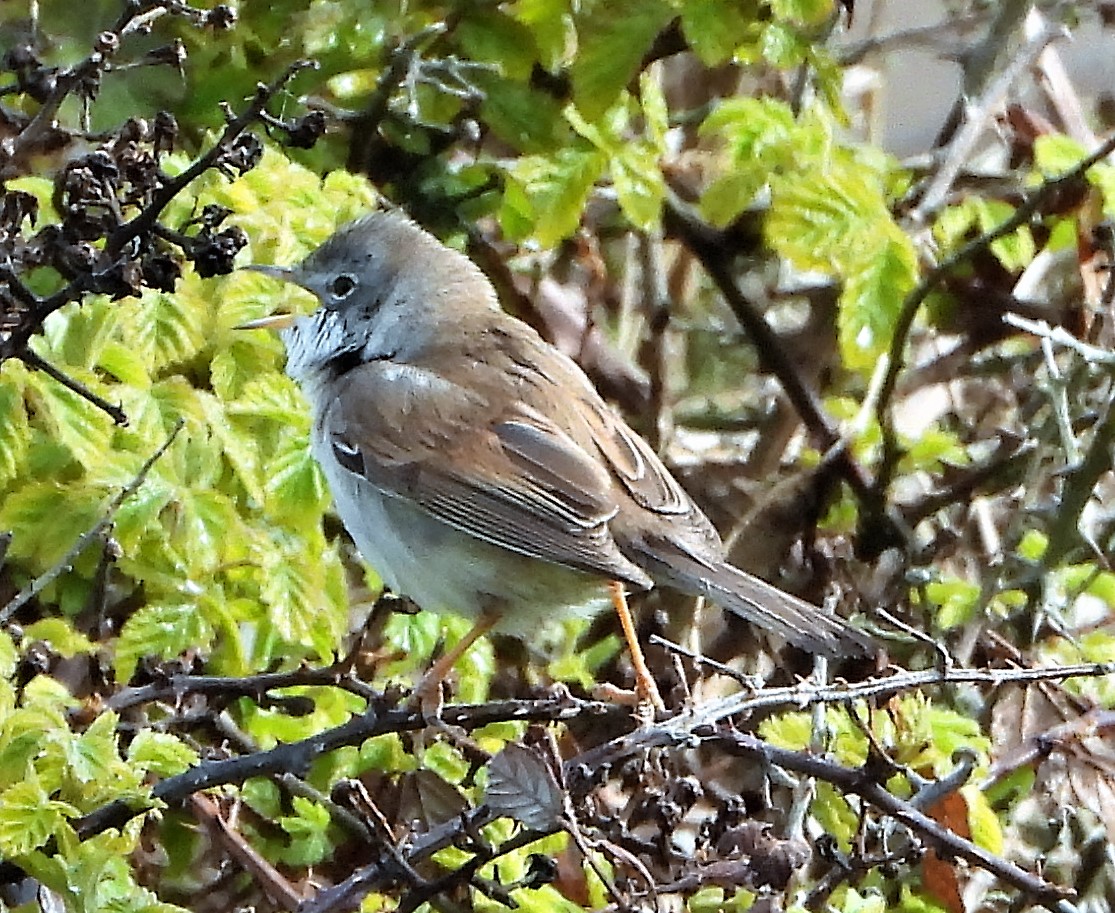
(913, 302)
(176, 687)
(710, 248)
(146, 219)
(975, 118)
(296, 757)
(859, 782)
(33, 360)
(38, 309)
(278, 888)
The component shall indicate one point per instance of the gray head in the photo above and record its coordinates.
(373, 277)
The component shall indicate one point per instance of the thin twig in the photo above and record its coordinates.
(859, 782)
(33, 360)
(1063, 337)
(177, 687)
(277, 887)
(975, 119)
(98, 529)
(914, 300)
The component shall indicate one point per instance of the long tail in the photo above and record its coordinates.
(801, 623)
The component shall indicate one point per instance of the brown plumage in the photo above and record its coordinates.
(476, 466)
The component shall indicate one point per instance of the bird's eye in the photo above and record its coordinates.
(343, 285)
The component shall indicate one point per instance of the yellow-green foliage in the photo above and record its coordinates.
(221, 551)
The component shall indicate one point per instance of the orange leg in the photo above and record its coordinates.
(645, 686)
(428, 690)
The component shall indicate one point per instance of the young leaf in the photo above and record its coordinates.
(614, 36)
(29, 817)
(546, 195)
(164, 630)
(160, 753)
(15, 432)
(872, 298)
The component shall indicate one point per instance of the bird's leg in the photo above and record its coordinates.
(645, 687)
(428, 690)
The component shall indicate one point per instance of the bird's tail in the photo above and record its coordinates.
(801, 623)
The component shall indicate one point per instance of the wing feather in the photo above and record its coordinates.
(515, 480)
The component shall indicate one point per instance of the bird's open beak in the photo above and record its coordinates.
(280, 320)
(277, 321)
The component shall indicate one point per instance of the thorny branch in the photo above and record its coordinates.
(1031, 205)
(586, 771)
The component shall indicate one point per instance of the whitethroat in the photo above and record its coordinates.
(476, 467)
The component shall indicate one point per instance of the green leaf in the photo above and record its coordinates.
(47, 518)
(60, 636)
(137, 520)
(160, 753)
(75, 335)
(614, 36)
(753, 128)
(295, 486)
(546, 195)
(304, 602)
(872, 300)
(491, 35)
(308, 830)
(823, 220)
(551, 24)
(125, 364)
(236, 365)
(15, 431)
(163, 630)
(207, 529)
(982, 820)
(933, 449)
(715, 28)
(274, 397)
(92, 756)
(957, 601)
(784, 46)
(1055, 153)
(639, 185)
(836, 220)
(761, 137)
(240, 447)
(526, 118)
(29, 817)
(1032, 545)
(165, 329)
(71, 421)
(804, 12)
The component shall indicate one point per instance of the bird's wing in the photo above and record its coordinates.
(485, 463)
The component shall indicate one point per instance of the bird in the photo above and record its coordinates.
(478, 470)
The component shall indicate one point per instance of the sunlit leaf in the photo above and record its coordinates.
(29, 817)
(161, 630)
(161, 753)
(613, 36)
